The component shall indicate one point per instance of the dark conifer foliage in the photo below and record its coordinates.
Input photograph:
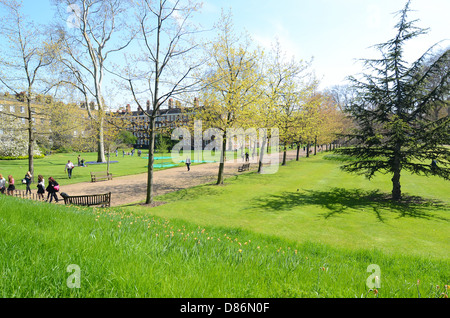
(395, 131)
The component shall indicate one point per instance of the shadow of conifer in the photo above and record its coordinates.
(338, 201)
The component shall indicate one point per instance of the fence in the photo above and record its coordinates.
(23, 195)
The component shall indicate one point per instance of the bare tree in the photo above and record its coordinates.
(23, 60)
(89, 36)
(166, 66)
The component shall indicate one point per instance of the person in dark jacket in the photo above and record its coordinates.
(28, 182)
(52, 189)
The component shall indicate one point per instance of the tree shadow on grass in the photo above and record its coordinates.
(338, 201)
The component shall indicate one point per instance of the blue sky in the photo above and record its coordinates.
(335, 32)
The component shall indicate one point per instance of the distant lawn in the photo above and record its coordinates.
(53, 166)
(313, 200)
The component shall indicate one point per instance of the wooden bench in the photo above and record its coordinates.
(99, 176)
(103, 200)
(244, 167)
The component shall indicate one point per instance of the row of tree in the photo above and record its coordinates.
(247, 88)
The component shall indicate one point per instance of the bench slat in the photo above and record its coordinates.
(88, 200)
(103, 175)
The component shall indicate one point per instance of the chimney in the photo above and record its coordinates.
(128, 108)
(148, 105)
(170, 103)
(196, 103)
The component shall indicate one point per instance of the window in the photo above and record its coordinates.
(22, 109)
(12, 109)
(23, 121)
(75, 133)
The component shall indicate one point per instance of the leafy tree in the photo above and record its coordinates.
(14, 138)
(285, 95)
(231, 85)
(125, 137)
(394, 132)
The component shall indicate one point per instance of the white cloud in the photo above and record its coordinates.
(281, 34)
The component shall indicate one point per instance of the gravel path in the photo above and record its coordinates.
(133, 189)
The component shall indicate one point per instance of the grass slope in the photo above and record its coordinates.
(120, 254)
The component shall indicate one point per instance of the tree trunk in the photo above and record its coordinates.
(101, 143)
(315, 145)
(307, 150)
(30, 138)
(284, 155)
(108, 156)
(222, 160)
(261, 153)
(298, 151)
(396, 187)
(151, 154)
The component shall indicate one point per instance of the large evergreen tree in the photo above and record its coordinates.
(394, 130)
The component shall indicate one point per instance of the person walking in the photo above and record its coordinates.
(11, 187)
(28, 182)
(52, 189)
(69, 168)
(2, 184)
(188, 163)
(41, 187)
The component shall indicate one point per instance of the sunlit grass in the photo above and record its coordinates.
(125, 255)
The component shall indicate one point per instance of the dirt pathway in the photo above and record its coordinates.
(132, 189)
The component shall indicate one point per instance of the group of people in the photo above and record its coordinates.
(129, 153)
(51, 189)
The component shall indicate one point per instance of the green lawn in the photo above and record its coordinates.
(313, 200)
(53, 166)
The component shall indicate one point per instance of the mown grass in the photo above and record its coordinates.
(313, 200)
(53, 166)
(121, 254)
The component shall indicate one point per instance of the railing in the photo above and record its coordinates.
(23, 195)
